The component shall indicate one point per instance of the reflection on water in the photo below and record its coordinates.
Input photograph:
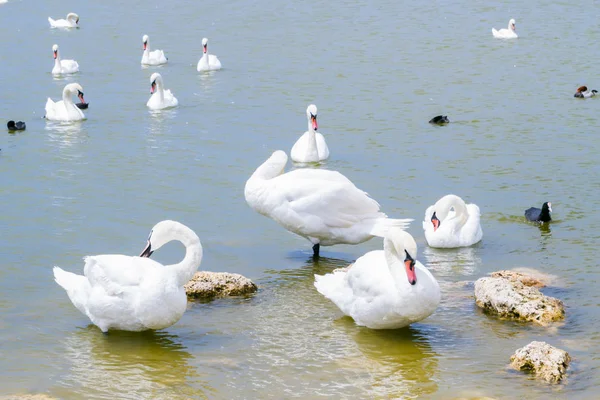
(65, 134)
(452, 263)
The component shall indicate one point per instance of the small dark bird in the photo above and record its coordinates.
(82, 106)
(583, 92)
(439, 120)
(543, 215)
(15, 126)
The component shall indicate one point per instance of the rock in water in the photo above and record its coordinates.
(206, 285)
(545, 361)
(514, 276)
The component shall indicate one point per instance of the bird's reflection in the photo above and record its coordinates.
(452, 262)
(65, 134)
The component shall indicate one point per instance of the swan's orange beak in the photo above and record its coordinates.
(313, 121)
(153, 87)
(435, 221)
(147, 252)
(410, 271)
(80, 96)
(513, 27)
(145, 44)
(55, 54)
(204, 47)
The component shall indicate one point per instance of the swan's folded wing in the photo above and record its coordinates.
(116, 273)
(49, 108)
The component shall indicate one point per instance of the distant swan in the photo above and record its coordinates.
(72, 21)
(509, 33)
(384, 289)
(63, 66)
(161, 97)
(65, 110)
(135, 293)
(451, 223)
(583, 92)
(539, 215)
(311, 146)
(320, 205)
(208, 62)
(155, 57)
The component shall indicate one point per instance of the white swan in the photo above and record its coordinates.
(208, 62)
(135, 293)
(384, 289)
(311, 146)
(161, 97)
(452, 223)
(63, 66)
(509, 33)
(320, 205)
(154, 57)
(72, 21)
(65, 110)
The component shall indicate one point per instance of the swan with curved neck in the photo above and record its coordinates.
(384, 289)
(451, 223)
(72, 21)
(154, 57)
(320, 205)
(311, 146)
(63, 66)
(65, 110)
(508, 33)
(135, 293)
(208, 62)
(161, 97)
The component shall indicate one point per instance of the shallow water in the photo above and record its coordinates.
(378, 73)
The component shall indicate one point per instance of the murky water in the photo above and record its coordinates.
(378, 73)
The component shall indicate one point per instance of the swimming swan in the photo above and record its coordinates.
(72, 21)
(451, 223)
(65, 110)
(208, 62)
(161, 97)
(311, 146)
(509, 33)
(63, 66)
(135, 293)
(154, 57)
(320, 205)
(384, 289)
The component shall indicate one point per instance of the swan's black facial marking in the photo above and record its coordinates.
(147, 252)
(80, 96)
(409, 263)
(435, 221)
(153, 87)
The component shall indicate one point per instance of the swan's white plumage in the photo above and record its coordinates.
(135, 293)
(311, 146)
(161, 97)
(208, 62)
(72, 21)
(508, 33)
(459, 223)
(320, 205)
(375, 290)
(154, 57)
(63, 66)
(65, 110)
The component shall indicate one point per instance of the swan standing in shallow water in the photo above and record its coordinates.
(509, 33)
(208, 62)
(72, 21)
(154, 57)
(161, 97)
(384, 289)
(320, 205)
(135, 293)
(451, 223)
(63, 66)
(65, 110)
(311, 146)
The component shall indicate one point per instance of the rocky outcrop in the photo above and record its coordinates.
(545, 361)
(507, 296)
(515, 276)
(207, 285)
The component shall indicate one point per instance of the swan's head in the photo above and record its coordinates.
(435, 221)
(154, 80)
(75, 89)
(55, 51)
(73, 17)
(311, 115)
(547, 207)
(145, 41)
(166, 231)
(511, 25)
(204, 45)
(406, 249)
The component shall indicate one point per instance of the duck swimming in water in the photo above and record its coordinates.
(583, 92)
(439, 120)
(15, 126)
(535, 214)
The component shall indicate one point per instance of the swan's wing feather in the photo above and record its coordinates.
(116, 273)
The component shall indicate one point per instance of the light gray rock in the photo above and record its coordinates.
(206, 285)
(545, 361)
(512, 299)
(514, 276)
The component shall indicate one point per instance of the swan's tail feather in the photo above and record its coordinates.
(384, 224)
(77, 287)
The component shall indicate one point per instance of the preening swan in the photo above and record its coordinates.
(154, 57)
(583, 92)
(72, 21)
(208, 62)
(320, 205)
(161, 97)
(384, 289)
(65, 110)
(535, 214)
(452, 223)
(63, 66)
(135, 293)
(311, 146)
(509, 33)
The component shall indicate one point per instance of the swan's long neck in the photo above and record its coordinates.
(269, 169)
(394, 262)
(185, 270)
(312, 140)
(160, 89)
(57, 59)
(460, 209)
(67, 96)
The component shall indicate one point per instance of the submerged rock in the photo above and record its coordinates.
(510, 298)
(206, 285)
(545, 361)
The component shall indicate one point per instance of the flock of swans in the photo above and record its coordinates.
(383, 289)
